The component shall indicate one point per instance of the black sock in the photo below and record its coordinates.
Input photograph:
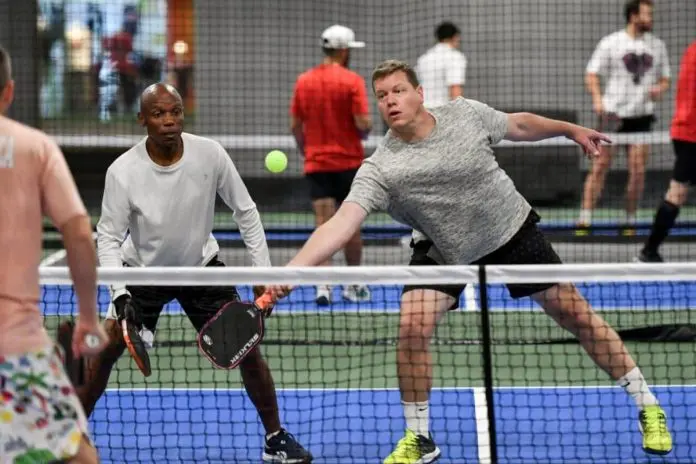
(664, 220)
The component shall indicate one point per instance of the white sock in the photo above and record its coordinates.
(635, 385)
(417, 417)
(586, 216)
(271, 435)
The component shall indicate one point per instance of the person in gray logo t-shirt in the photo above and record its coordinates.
(436, 172)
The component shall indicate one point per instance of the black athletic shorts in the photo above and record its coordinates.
(199, 303)
(527, 246)
(685, 162)
(334, 185)
(638, 124)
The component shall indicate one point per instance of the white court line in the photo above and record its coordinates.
(483, 442)
(59, 255)
(53, 258)
(357, 389)
(470, 298)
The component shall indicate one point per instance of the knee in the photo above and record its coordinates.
(636, 171)
(414, 334)
(598, 171)
(114, 331)
(677, 193)
(116, 345)
(566, 305)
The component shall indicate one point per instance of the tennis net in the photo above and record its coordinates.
(509, 385)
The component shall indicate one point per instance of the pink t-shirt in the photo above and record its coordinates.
(34, 180)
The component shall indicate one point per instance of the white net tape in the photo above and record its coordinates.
(385, 275)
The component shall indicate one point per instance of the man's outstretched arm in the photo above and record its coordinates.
(528, 127)
(325, 241)
(331, 236)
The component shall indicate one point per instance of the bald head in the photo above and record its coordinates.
(156, 92)
(162, 114)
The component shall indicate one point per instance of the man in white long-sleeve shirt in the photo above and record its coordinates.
(157, 210)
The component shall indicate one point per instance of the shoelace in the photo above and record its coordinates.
(656, 422)
(289, 439)
(407, 445)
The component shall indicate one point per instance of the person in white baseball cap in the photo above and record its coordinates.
(339, 37)
(329, 115)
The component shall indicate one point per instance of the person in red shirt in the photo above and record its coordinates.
(329, 118)
(683, 134)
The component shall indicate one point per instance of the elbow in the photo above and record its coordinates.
(84, 234)
(518, 127)
(248, 215)
(365, 128)
(77, 230)
(363, 123)
(295, 126)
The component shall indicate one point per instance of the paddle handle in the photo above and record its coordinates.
(265, 301)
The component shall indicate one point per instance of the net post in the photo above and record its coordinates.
(487, 364)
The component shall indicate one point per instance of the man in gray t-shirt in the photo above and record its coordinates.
(436, 172)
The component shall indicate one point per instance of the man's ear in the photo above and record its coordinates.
(7, 96)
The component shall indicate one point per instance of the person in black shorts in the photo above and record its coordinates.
(637, 158)
(527, 246)
(145, 303)
(158, 209)
(329, 117)
(683, 133)
(435, 171)
(632, 63)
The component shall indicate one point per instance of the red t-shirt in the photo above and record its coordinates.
(325, 100)
(684, 120)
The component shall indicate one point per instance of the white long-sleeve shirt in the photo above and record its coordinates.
(154, 215)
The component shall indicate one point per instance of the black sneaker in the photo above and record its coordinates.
(284, 449)
(647, 256)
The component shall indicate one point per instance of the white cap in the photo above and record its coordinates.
(339, 37)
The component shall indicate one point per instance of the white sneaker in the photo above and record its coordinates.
(357, 293)
(323, 295)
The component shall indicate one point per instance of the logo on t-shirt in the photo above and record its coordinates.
(6, 152)
(637, 65)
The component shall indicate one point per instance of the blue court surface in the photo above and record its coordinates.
(600, 228)
(60, 300)
(534, 425)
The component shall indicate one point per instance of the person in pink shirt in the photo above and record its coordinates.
(41, 418)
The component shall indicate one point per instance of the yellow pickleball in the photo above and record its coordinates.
(276, 161)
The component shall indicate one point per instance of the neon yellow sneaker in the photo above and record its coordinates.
(414, 449)
(581, 229)
(656, 436)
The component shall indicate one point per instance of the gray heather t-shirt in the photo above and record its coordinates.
(448, 186)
